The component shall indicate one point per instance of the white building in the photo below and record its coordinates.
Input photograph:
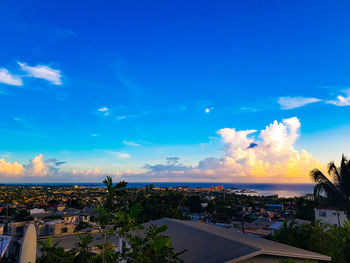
(330, 216)
(36, 211)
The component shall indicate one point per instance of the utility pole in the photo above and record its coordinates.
(242, 220)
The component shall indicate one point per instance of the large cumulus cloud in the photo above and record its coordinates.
(268, 155)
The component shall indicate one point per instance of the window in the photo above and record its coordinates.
(322, 213)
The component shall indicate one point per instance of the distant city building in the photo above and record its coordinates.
(36, 211)
(330, 216)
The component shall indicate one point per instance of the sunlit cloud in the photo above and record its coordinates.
(268, 155)
(43, 72)
(38, 167)
(250, 156)
(288, 103)
(341, 100)
(10, 169)
(49, 169)
(7, 78)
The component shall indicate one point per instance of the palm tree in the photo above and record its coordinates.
(52, 253)
(83, 253)
(336, 190)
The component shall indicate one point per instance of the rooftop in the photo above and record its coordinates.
(208, 244)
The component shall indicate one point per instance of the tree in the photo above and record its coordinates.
(194, 203)
(152, 247)
(83, 253)
(52, 253)
(118, 217)
(337, 190)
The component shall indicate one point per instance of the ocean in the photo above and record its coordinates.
(282, 190)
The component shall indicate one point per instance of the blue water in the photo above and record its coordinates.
(282, 190)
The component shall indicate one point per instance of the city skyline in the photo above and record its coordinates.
(173, 91)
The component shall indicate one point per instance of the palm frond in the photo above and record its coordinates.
(345, 174)
(335, 173)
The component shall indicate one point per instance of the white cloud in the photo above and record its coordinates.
(104, 110)
(341, 100)
(43, 72)
(122, 155)
(7, 78)
(129, 143)
(250, 156)
(288, 103)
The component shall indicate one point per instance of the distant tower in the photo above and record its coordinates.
(28, 248)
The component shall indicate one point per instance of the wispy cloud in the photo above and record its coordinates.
(130, 143)
(288, 103)
(104, 110)
(341, 100)
(43, 72)
(119, 155)
(7, 78)
(122, 155)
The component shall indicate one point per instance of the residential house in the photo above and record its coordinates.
(331, 216)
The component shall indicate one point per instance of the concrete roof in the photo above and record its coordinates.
(208, 244)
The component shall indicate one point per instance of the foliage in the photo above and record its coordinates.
(194, 203)
(83, 253)
(23, 215)
(117, 217)
(324, 239)
(82, 225)
(52, 253)
(337, 190)
(152, 247)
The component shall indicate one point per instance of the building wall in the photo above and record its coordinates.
(71, 219)
(16, 228)
(330, 216)
(58, 229)
(272, 259)
(84, 218)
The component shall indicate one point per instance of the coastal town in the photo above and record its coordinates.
(63, 213)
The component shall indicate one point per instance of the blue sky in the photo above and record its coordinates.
(117, 87)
